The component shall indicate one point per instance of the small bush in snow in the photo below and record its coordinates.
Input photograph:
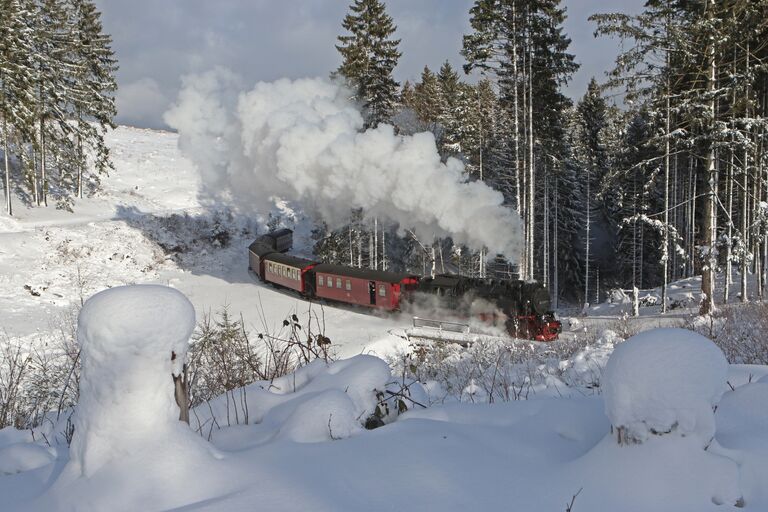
(491, 370)
(225, 357)
(739, 330)
(39, 378)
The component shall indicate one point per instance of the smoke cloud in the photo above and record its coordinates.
(301, 140)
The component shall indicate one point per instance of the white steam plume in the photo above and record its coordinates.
(300, 140)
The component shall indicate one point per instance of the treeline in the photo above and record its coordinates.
(56, 99)
(668, 184)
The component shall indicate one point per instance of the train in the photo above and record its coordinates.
(522, 308)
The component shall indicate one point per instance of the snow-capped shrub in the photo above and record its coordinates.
(662, 381)
(491, 370)
(133, 340)
(224, 357)
(739, 330)
(319, 401)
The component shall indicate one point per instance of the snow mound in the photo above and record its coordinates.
(318, 402)
(19, 457)
(664, 380)
(128, 337)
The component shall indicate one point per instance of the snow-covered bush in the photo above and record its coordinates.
(662, 381)
(739, 330)
(38, 376)
(492, 370)
(319, 401)
(183, 236)
(224, 357)
(133, 340)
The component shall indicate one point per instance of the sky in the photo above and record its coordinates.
(157, 42)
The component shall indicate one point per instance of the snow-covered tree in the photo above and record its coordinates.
(369, 55)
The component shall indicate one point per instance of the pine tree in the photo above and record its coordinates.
(17, 100)
(522, 47)
(451, 115)
(369, 55)
(426, 102)
(92, 96)
(592, 119)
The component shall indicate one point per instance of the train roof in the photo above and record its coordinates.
(362, 273)
(286, 259)
(260, 248)
(280, 232)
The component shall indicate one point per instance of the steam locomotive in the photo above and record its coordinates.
(522, 308)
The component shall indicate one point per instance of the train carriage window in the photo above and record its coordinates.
(349, 285)
(338, 282)
(382, 290)
(320, 280)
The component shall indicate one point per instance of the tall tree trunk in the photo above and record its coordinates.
(8, 194)
(516, 112)
(43, 170)
(665, 237)
(692, 218)
(588, 223)
(530, 167)
(545, 269)
(555, 250)
(710, 199)
(756, 252)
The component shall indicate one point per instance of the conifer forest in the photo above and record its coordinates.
(656, 173)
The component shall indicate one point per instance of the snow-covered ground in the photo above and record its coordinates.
(298, 442)
(51, 259)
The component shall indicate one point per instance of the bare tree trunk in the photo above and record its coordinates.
(43, 169)
(531, 217)
(586, 240)
(555, 270)
(8, 195)
(744, 295)
(545, 267)
(665, 237)
(710, 200)
(524, 167)
(692, 219)
(384, 249)
(516, 113)
(35, 183)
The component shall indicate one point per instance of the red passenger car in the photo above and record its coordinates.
(289, 271)
(371, 288)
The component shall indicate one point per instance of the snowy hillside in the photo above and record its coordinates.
(500, 425)
(147, 226)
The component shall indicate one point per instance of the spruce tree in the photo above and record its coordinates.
(452, 114)
(92, 99)
(369, 55)
(17, 99)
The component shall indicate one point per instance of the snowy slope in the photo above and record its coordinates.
(50, 259)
